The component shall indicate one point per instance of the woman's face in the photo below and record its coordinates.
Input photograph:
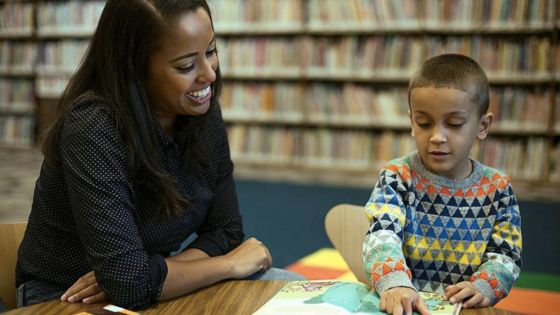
(181, 71)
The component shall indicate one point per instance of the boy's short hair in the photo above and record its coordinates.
(453, 71)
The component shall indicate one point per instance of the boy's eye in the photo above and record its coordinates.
(423, 124)
(455, 125)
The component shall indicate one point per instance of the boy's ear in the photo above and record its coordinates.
(484, 125)
(411, 124)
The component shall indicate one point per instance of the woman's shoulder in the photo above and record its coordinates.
(90, 113)
(89, 107)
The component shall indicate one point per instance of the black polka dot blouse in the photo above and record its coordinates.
(90, 214)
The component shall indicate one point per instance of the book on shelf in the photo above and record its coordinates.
(77, 18)
(340, 297)
(257, 15)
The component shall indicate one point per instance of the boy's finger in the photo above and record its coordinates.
(397, 309)
(407, 307)
(421, 307)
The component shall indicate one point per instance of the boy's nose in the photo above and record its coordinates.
(438, 135)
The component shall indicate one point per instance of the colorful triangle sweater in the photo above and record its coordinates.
(428, 232)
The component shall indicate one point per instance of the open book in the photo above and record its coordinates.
(339, 297)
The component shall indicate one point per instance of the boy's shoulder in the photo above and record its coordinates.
(401, 166)
(496, 176)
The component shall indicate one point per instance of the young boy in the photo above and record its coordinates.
(440, 221)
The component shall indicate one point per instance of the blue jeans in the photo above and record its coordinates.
(37, 291)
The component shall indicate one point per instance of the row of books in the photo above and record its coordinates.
(557, 111)
(289, 14)
(324, 56)
(60, 57)
(515, 109)
(430, 13)
(16, 18)
(16, 96)
(555, 163)
(68, 16)
(366, 14)
(519, 158)
(353, 104)
(352, 55)
(360, 150)
(50, 86)
(17, 56)
(261, 14)
(17, 130)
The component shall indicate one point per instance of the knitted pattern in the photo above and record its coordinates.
(429, 232)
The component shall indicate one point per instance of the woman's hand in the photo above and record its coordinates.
(249, 257)
(466, 292)
(401, 299)
(86, 289)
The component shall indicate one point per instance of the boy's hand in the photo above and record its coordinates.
(396, 300)
(466, 292)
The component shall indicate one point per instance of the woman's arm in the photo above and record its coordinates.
(188, 271)
(184, 276)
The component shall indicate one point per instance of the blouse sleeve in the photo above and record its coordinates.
(222, 230)
(101, 197)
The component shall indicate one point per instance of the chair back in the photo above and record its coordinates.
(11, 235)
(346, 226)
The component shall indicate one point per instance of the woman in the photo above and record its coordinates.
(137, 161)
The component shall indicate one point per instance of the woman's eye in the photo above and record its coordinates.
(212, 51)
(186, 68)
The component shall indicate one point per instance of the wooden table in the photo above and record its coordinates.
(228, 297)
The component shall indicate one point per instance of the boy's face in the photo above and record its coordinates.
(445, 124)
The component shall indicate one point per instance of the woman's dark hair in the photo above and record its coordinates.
(115, 67)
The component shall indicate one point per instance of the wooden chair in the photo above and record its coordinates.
(11, 235)
(346, 227)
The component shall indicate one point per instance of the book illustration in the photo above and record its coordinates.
(338, 297)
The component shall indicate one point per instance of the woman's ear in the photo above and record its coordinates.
(411, 124)
(484, 125)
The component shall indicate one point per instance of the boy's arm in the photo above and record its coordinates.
(382, 249)
(502, 260)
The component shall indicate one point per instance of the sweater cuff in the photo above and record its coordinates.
(158, 274)
(392, 280)
(206, 245)
(486, 289)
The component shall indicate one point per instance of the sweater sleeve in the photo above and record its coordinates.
(382, 250)
(502, 260)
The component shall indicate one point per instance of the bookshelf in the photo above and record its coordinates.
(17, 55)
(315, 90)
(320, 95)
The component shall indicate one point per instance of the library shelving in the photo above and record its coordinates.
(17, 57)
(319, 94)
(315, 90)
